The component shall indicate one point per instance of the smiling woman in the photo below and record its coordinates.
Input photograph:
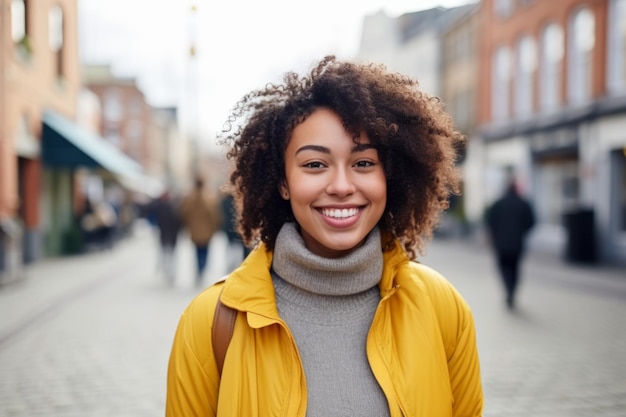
(336, 187)
(339, 178)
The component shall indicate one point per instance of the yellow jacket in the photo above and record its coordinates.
(421, 347)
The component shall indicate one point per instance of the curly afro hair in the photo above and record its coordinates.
(412, 133)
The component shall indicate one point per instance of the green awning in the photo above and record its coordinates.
(67, 145)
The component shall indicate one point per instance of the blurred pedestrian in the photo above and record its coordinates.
(165, 212)
(201, 219)
(340, 177)
(98, 223)
(236, 250)
(509, 220)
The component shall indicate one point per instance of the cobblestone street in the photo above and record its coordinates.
(90, 335)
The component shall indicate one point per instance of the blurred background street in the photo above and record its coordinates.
(90, 335)
(110, 111)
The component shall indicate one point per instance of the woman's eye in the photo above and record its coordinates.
(314, 164)
(364, 164)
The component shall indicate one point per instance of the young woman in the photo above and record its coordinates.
(340, 177)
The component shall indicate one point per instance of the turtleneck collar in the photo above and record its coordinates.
(356, 272)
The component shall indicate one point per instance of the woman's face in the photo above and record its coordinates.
(337, 189)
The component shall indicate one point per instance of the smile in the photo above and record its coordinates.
(340, 213)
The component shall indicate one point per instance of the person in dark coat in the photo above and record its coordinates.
(509, 220)
(166, 215)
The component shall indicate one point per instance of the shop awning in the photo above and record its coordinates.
(67, 145)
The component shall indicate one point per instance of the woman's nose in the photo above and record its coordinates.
(341, 183)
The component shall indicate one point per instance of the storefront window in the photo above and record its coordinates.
(557, 189)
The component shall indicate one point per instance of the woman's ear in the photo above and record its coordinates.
(284, 191)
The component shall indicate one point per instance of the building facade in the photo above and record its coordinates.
(126, 116)
(409, 43)
(174, 149)
(39, 71)
(552, 111)
(438, 48)
(47, 146)
(539, 88)
(459, 91)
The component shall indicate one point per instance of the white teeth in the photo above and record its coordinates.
(340, 213)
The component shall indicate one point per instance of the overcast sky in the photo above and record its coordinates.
(241, 45)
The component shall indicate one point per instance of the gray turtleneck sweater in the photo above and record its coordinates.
(329, 305)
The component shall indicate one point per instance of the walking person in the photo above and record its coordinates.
(201, 219)
(166, 215)
(509, 220)
(340, 177)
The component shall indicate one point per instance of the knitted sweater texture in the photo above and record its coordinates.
(329, 305)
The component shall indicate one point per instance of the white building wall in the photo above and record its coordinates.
(379, 39)
(420, 58)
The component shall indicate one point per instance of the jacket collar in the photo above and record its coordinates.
(250, 288)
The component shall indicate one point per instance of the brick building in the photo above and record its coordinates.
(552, 111)
(39, 71)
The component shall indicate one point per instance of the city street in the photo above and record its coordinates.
(90, 335)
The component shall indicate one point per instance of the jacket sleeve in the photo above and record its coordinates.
(458, 333)
(192, 378)
(464, 367)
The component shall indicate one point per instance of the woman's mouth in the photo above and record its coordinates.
(340, 213)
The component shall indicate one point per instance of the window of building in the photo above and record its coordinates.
(503, 8)
(552, 51)
(135, 106)
(617, 47)
(112, 135)
(55, 37)
(581, 43)
(18, 20)
(135, 131)
(501, 80)
(19, 28)
(525, 72)
(112, 105)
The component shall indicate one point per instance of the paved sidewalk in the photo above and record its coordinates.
(90, 335)
(562, 353)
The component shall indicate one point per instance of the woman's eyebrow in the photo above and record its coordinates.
(317, 148)
(357, 148)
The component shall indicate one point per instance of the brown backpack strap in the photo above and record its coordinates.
(222, 333)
